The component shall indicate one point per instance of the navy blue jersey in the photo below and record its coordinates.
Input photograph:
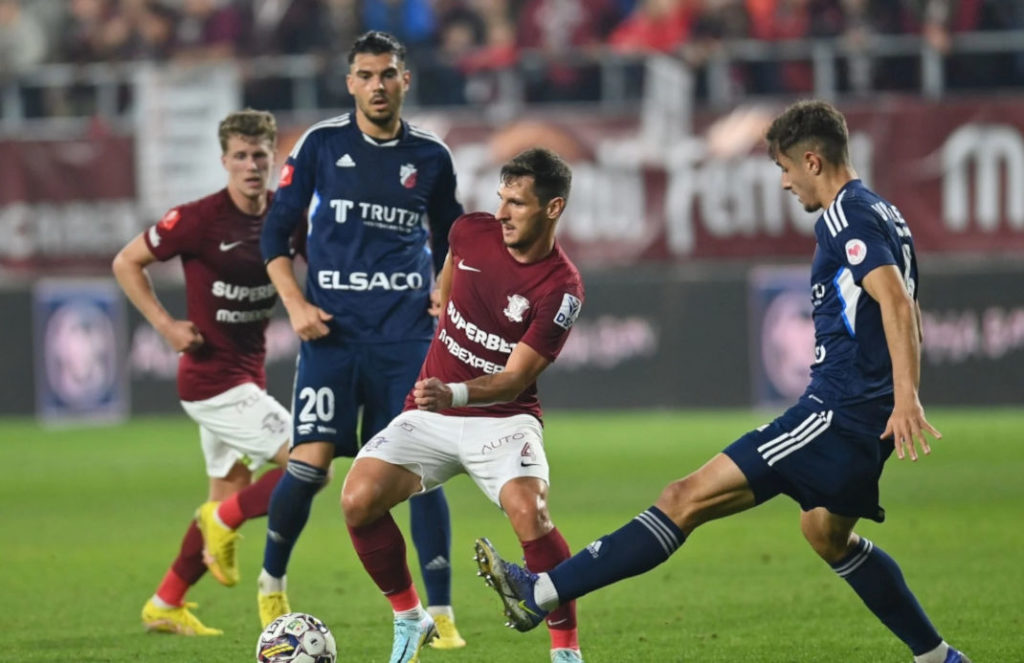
(369, 204)
(857, 233)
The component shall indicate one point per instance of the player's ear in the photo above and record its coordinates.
(812, 162)
(555, 207)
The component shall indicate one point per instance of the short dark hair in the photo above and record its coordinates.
(249, 122)
(811, 121)
(552, 177)
(376, 42)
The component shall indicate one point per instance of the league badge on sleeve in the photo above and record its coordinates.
(286, 175)
(856, 251)
(568, 311)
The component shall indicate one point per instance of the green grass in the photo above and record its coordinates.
(91, 518)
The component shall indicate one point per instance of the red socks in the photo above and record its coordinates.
(544, 554)
(186, 569)
(381, 549)
(252, 501)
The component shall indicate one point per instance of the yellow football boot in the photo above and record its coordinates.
(447, 634)
(272, 606)
(178, 620)
(219, 551)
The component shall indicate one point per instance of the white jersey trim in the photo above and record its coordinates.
(849, 295)
(339, 121)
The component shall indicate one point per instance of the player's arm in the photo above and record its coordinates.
(308, 320)
(522, 369)
(443, 209)
(129, 268)
(901, 322)
(439, 296)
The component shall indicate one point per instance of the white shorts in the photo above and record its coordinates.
(436, 447)
(241, 425)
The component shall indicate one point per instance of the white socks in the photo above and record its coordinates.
(937, 655)
(269, 584)
(544, 593)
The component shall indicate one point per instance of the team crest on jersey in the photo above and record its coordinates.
(517, 305)
(407, 175)
(856, 251)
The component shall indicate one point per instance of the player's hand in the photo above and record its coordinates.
(907, 427)
(432, 395)
(434, 308)
(182, 336)
(308, 321)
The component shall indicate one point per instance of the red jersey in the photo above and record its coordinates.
(230, 297)
(494, 303)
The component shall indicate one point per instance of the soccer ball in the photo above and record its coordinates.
(296, 638)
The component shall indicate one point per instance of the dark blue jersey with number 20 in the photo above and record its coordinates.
(369, 205)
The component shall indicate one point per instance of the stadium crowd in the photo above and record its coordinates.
(455, 43)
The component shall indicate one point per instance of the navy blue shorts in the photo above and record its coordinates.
(339, 384)
(819, 455)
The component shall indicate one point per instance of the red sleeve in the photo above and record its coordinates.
(175, 234)
(554, 318)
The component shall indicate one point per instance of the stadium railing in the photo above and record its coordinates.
(57, 96)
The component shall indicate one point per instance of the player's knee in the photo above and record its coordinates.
(358, 504)
(678, 502)
(829, 544)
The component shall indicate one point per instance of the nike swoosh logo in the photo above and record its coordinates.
(522, 604)
(464, 266)
(560, 621)
(528, 464)
(224, 246)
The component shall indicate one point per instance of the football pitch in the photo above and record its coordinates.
(92, 518)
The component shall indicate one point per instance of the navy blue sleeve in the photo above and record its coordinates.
(862, 242)
(291, 200)
(442, 210)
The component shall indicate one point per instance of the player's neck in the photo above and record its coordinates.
(834, 182)
(537, 251)
(387, 131)
(254, 206)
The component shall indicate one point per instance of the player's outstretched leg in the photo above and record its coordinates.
(514, 586)
(430, 526)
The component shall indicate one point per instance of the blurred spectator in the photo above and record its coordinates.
(208, 30)
(94, 31)
(340, 24)
(655, 26)
(23, 41)
(289, 27)
(442, 79)
(154, 27)
(412, 21)
(559, 31)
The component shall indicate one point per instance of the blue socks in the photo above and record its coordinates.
(288, 513)
(432, 535)
(878, 581)
(637, 547)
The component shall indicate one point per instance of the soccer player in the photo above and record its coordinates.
(827, 451)
(221, 376)
(511, 296)
(368, 180)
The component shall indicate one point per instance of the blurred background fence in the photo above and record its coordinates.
(695, 259)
